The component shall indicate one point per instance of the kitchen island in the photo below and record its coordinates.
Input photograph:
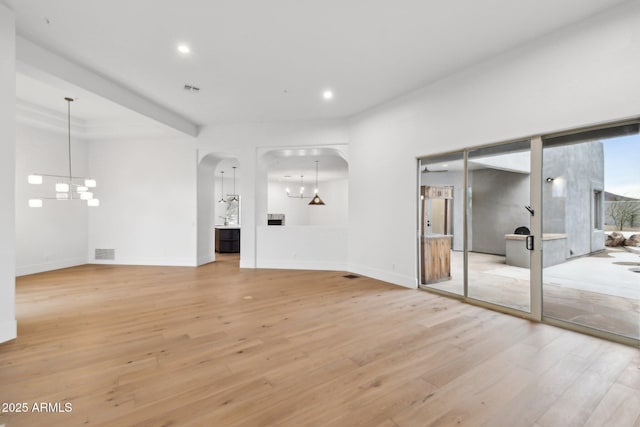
(227, 238)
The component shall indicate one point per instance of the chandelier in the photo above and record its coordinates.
(315, 199)
(67, 187)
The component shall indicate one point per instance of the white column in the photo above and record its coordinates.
(8, 327)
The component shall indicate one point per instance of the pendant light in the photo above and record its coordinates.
(316, 201)
(222, 200)
(234, 196)
(67, 187)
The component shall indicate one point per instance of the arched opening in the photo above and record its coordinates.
(290, 232)
(219, 206)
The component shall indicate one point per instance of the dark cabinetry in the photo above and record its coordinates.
(228, 240)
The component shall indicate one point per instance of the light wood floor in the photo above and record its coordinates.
(219, 346)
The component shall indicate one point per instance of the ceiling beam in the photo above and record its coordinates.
(45, 65)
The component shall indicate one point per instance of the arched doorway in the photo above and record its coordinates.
(219, 204)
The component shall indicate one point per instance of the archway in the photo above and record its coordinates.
(214, 204)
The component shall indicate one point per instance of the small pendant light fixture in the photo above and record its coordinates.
(222, 200)
(316, 201)
(234, 196)
(67, 187)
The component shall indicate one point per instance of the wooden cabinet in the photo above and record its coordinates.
(436, 264)
(228, 240)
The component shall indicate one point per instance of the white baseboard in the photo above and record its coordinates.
(168, 262)
(245, 263)
(301, 265)
(22, 270)
(385, 276)
(8, 330)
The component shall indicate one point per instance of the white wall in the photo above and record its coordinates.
(298, 212)
(304, 247)
(8, 326)
(148, 201)
(584, 74)
(54, 236)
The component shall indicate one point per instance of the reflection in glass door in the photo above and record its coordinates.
(498, 225)
(591, 201)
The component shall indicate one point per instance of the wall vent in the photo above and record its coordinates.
(105, 254)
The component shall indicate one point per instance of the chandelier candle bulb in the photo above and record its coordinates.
(91, 183)
(62, 187)
(34, 179)
(86, 195)
(35, 203)
(93, 202)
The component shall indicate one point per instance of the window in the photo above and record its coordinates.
(597, 209)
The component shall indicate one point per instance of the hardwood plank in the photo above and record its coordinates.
(619, 407)
(216, 345)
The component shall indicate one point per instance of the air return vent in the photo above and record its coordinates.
(105, 254)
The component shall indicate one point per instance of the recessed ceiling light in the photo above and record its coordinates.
(327, 94)
(445, 165)
(183, 48)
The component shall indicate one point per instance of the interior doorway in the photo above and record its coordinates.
(219, 209)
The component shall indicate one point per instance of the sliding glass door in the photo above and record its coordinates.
(591, 198)
(498, 225)
(548, 228)
(475, 231)
(441, 223)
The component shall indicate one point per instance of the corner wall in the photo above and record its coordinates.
(581, 75)
(148, 201)
(8, 326)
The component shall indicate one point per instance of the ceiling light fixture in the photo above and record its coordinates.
(67, 187)
(234, 196)
(316, 201)
(222, 200)
(183, 48)
(327, 94)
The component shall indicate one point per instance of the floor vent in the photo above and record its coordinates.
(351, 276)
(105, 254)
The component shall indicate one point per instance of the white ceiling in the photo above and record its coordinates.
(288, 165)
(270, 60)
(43, 104)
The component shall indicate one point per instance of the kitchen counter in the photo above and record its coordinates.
(554, 248)
(227, 238)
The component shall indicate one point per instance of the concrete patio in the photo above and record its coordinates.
(599, 291)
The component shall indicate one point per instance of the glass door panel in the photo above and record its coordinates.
(591, 206)
(498, 225)
(441, 223)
